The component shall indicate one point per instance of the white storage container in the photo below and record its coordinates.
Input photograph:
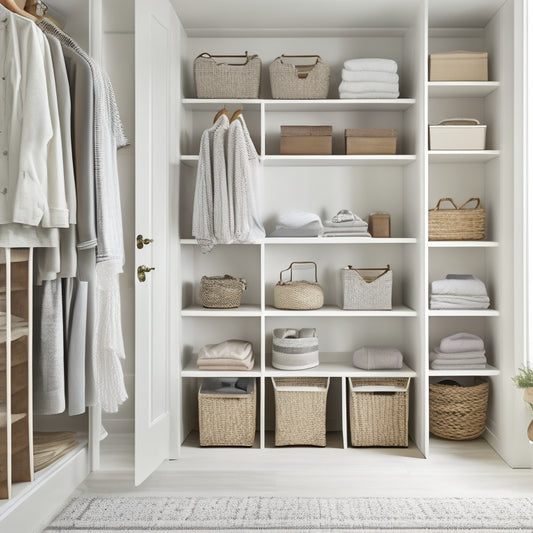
(458, 134)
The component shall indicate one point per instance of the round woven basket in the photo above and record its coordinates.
(221, 292)
(299, 295)
(458, 413)
(457, 224)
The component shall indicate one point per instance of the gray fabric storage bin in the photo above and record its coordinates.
(366, 288)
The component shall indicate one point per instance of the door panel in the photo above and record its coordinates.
(156, 67)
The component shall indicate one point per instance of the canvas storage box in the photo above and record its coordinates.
(294, 349)
(458, 412)
(458, 223)
(290, 80)
(457, 134)
(300, 410)
(379, 411)
(221, 292)
(370, 142)
(227, 76)
(366, 288)
(306, 140)
(379, 225)
(458, 66)
(226, 419)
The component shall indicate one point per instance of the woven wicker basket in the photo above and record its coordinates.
(215, 79)
(221, 292)
(457, 224)
(300, 411)
(226, 419)
(299, 295)
(458, 413)
(366, 288)
(379, 417)
(302, 82)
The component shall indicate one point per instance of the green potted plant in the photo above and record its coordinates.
(524, 380)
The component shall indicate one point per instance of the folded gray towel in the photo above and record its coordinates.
(377, 357)
(461, 342)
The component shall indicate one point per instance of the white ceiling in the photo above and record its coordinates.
(280, 14)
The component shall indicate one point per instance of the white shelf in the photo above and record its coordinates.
(244, 310)
(463, 244)
(336, 160)
(462, 156)
(191, 371)
(338, 240)
(193, 242)
(334, 311)
(337, 364)
(463, 312)
(378, 104)
(215, 104)
(461, 89)
(489, 371)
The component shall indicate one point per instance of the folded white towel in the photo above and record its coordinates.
(346, 234)
(459, 287)
(371, 63)
(461, 342)
(353, 229)
(368, 87)
(369, 95)
(230, 349)
(435, 357)
(459, 302)
(438, 366)
(351, 224)
(459, 355)
(298, 219)
(369, 75)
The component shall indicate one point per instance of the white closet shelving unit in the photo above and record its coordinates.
(406, 185)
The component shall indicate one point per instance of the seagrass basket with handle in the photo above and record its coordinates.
(298, 295)
(221, 292)
(457, 224)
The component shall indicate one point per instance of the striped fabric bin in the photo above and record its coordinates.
(294, 349)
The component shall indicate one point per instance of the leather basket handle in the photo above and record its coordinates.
(437, 207)
(477, 200)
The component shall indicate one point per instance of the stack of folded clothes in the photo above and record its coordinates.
(369, 78)
(459, 291)
(228, 355)
(345, 224)
(298, 224)
(460, 351)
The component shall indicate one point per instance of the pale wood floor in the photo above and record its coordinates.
(464, 469)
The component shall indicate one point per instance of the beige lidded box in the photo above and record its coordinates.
(457, 134)
(306, 140)
(458, 66)
(370, 142)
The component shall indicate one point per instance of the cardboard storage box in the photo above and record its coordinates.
(458, 66)
(306, 140)
(379, 225)
(370, 142)
(457, 134)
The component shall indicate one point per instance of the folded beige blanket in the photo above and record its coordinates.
(232, 349)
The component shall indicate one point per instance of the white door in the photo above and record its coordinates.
(156, 71)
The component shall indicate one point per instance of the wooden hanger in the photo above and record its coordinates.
(36, 8)
(223, 111)
(236, 115)
(16, 7)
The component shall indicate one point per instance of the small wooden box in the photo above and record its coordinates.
(306, 140)
(458, 66)
(379, 225)
(370, 142)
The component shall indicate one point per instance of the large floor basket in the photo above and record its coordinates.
(458, 413)
(300, 411)
(379, 411)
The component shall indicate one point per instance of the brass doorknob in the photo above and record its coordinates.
(142, 242)
(141, 272)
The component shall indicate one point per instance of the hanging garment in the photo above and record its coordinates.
(211, 167)
(222, 207)
(32, 188)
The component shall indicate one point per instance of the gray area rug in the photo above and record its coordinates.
(132, 514)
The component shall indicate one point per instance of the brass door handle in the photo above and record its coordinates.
(142, 242)
(141, 272)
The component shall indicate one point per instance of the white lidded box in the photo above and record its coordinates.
(457, 134)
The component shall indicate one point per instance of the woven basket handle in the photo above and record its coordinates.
(298, 263)
(318, 58)
(245, 56)
(477, 200)
(437, 207)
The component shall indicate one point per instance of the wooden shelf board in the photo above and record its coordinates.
(334, 311)
(245, 310)
(462, 156)
(489, 371)
(461, 89)
(463, 244)
(15, 417)
(463, 312)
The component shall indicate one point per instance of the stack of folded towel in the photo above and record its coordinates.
(369, 78)
(459, 291)
(377, 358)
(298, 224)
(228, 355)
(459, 351)
(345, 224)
